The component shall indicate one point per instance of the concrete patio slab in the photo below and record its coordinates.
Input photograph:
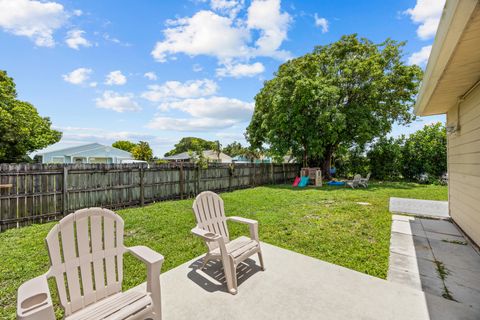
(404, 218)
(444, 237)
(427, 208)
(295, 286)
(408, 227)
(410, 245)
(440, 226)
(452, 267)
(456, 255)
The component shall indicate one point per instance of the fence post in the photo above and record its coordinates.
(231, 172)
(197, 182)
(272, 175)
(181, 181)
(142, 186)
(65, 190)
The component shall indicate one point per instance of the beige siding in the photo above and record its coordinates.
(464, 165)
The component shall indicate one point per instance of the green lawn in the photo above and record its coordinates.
(324, 223)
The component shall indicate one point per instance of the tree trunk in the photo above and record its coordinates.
(327, 163)
(305, 156)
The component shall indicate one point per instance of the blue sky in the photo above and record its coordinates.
(161, 70)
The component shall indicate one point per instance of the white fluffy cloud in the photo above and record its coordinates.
(206, 33)
(240, 70)
(206, 114)
(115, 78)
(78, 76)
(221, 108)
(321, 23)
(75, 39)
(117, 102)
(150, 76)
(36, 20)
(427, 13)
(266, 16)
(421, 57)
(176, 89)
(224, 37)
(182, 124)
(229, 7)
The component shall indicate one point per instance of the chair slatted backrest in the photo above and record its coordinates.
(368, 176)
(210, 215)
(86, 257)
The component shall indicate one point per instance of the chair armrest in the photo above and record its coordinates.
(145, 254)
(206, 235)
(253, 224)
(34, 300)
(242, 220)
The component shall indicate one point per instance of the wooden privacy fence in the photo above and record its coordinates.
(39, 193)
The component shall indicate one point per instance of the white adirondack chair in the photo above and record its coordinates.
(355, 182)
(364, 181)
(86, 259)
(212, 228)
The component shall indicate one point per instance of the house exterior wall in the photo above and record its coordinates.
(464, 165)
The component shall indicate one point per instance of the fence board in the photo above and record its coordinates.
(41, 193)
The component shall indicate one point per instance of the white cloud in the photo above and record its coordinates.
(115, 78)
(117, 102)
(421, 57)
(229, 7)
(93, 84)
(197, 68)
(150, 75)
(321, 23)
(240, 70)
(221, 108)
(77, 12)
(266, 16)
(33, 19)
(227, 38)
(206, 114)
(206, 33)
(75, 39)
(427, 13)
(176, 89)
(78, 76)
(179, 124)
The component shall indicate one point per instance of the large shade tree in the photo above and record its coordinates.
(22, 129)
(345, 93)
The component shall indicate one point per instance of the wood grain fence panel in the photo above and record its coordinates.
(41, 193)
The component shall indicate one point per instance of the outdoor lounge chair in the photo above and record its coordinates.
(212, 228)
(86, 259)
(355, 182)
(364, 181)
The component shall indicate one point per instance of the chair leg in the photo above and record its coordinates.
(205, 261)
(260, 258)
(228, 265)
(234, 275)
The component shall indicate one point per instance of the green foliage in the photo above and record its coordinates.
(351, 161)
(342, 94)
(235, 149)
(22, 129)
(124, 145)
(385, 159)
(193, 144)
(425, 152)
(142, 151)
(323, 223)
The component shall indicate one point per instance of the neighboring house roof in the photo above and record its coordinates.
(88, 150)
(453, 68)
(209, 154)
